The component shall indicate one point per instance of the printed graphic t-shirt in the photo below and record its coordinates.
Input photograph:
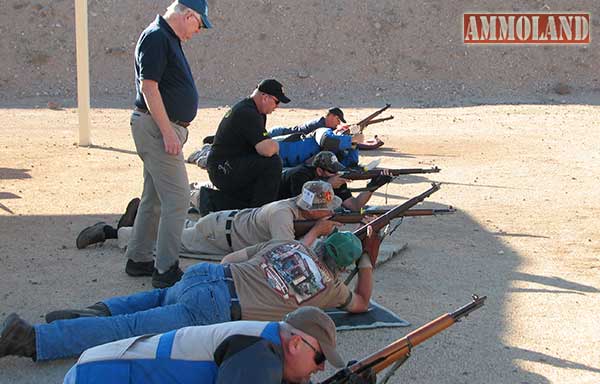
(281, 276)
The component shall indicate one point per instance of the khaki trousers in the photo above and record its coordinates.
(165, 199)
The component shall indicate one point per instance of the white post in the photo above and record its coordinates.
(83, 72)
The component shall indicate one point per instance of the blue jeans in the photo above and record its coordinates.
(201, 297)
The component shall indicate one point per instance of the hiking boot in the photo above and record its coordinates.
(91, 235)
(96, 310)
(139, 268)
(128, 217)
(167, 279)
(17, 338)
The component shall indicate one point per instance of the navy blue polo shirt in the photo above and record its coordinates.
(159, 57)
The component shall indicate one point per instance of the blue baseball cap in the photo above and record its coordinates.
(199, 6)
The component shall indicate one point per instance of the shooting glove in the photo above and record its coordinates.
(367, 377)
(378, 181)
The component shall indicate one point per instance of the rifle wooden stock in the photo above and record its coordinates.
(383, 220)
(369, 174)
(301, 227)
(401, 348)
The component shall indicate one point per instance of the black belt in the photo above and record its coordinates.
(228, 225)
(184, 124)
(236, 309)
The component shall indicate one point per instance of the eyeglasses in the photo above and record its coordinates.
(319, 357)
(200, 24)
(276, 100)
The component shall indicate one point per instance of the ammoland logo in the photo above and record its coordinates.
(526, 28)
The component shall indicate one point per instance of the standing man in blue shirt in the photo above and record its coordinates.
(165, 105)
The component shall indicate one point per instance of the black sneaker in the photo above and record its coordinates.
(128, 217)
(96, 310)
(139, 268)
(167, 279)
(91, 235)
(17, 338)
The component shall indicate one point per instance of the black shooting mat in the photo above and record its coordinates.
(377, 316)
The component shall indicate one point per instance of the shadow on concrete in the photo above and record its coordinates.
(524, 354)
(14, 174)
(506, 234)
(7, 196)
(554, 281)
(113, 149)
(42, 270)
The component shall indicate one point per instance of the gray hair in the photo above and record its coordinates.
(255, 92)
(177, 7)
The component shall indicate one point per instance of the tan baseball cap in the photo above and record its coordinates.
(316, 323)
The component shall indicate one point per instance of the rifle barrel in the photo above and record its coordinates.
(365, 175)
(401, 348)
(372, 115)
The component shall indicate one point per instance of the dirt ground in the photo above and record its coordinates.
(523, 178)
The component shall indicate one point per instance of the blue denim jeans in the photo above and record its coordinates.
(201, 297)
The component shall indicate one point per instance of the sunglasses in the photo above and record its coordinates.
(319, 357)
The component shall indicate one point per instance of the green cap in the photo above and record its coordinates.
(344, 247)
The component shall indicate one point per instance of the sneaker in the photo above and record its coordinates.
(17, 338)
(167, 279)
(128, 217)
(139, 268)
(91, 235)
(96, 310)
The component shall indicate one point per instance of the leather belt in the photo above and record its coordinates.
(183, 124)
(236, 309)
(228, 225)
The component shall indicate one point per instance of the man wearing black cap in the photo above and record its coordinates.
(333, 118)
(244, 162)
(166, 103)
(325, 166)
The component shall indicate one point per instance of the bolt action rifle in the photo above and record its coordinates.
(301, 227)
(371, 118)
(382, 221)
(357, 174)
(399, 351)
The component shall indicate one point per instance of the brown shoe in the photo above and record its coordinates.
(17, 338)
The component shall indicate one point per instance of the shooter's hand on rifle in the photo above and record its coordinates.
(368, 376)
(324, 226)
(371, 246)
(358, 138)
(380, 180)
(337, 181)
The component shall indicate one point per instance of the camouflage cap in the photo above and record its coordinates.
(327, 161)
(318, 195)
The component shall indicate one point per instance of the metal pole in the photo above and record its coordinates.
(83, 72)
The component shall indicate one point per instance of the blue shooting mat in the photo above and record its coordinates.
(377, 316)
